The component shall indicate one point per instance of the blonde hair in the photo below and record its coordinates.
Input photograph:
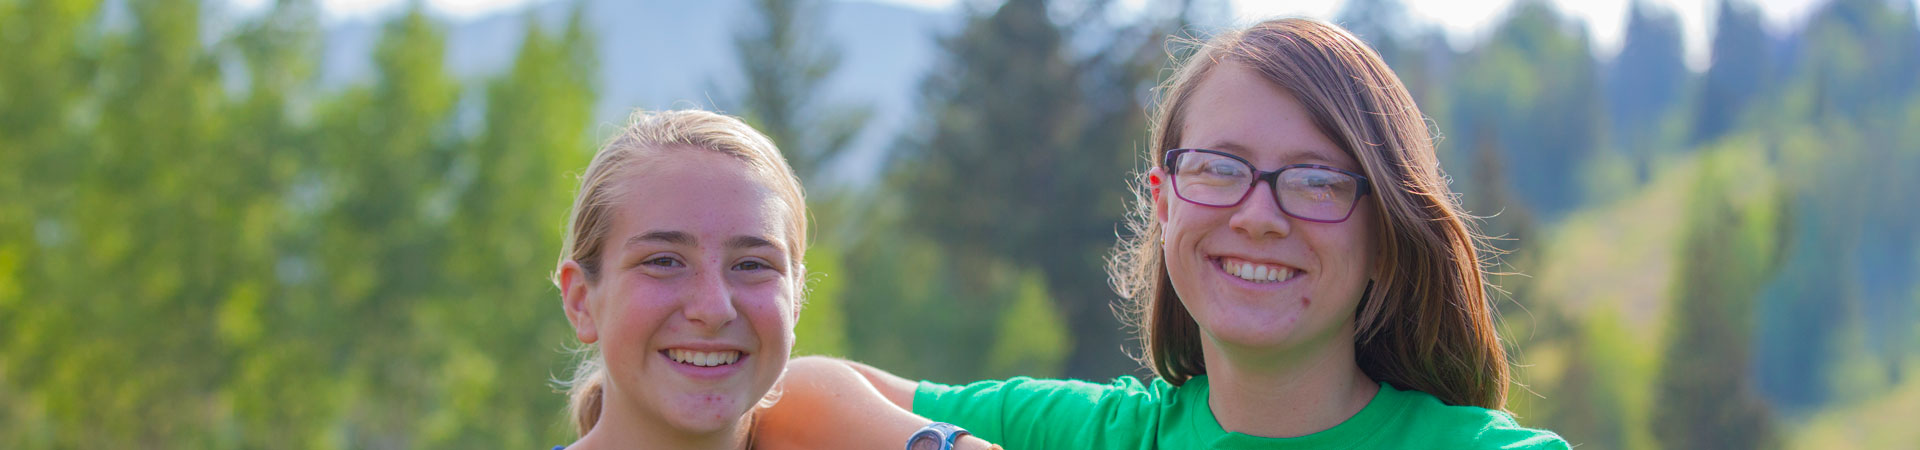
(1425, 323)
(649, 135)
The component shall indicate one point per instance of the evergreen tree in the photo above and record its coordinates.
(1738, 71)
(373, 235)
(1706, 399)
(157, 243)
(49, 56)
(494, 331)
(786, 59)
(1846, 287)
(1644, 83)
(271, 390)
(1535, 86)
(1022, 157)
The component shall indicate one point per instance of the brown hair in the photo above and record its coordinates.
(1426, 323)
(647, 135)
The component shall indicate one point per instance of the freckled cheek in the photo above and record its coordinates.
(770, 308)
(640, 312)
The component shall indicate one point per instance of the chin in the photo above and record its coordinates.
(707, 414)
(1257, 338)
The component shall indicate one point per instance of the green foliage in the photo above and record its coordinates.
(1731, 245)
(1599, 399)
(235, 268)
(1738, 73)
(1023, 158)
(1644, 85)
(1533, 90)
(1030, 340)
(904, 312)
(822, 329)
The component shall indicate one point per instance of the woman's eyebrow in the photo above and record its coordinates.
(670, 237)
(1306, 155)
(1229, 147)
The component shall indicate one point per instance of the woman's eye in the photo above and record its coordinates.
(1223, 168)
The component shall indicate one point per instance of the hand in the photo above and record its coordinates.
(969, 442)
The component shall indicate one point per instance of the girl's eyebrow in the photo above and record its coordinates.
(687, 239)
(670, 237)
(750, 242)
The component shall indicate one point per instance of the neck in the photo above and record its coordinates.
(1287, 393)
(625, 424)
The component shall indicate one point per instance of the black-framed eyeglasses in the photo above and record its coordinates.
(1309, 192)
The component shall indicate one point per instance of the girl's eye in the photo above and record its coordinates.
(662, 262)
(750, 265)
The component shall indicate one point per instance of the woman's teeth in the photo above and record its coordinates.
(1258, 273)
(703, 359)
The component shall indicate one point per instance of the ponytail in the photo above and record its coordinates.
(585, 393)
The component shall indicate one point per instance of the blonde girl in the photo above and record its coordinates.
(681, 273)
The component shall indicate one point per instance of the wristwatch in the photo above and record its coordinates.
(935, 436)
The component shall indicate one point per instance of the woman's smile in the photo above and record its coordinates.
(1252, 275)
(1263, 274)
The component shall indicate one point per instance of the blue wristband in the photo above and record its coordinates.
(936, 436)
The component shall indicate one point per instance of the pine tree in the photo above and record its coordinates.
(1644, 84)
(786, 58)
(496, 330)
(1738, 72)
(1536, 87)
(1706, 400)
(1023, 157)
(373, 234)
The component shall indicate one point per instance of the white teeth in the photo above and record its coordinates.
(1256, 272)
(703, 359)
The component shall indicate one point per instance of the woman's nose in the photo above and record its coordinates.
(1259, 215)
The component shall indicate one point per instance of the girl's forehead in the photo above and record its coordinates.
(710, 197)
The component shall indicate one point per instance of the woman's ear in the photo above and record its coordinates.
(1156, 183)
(573, 297)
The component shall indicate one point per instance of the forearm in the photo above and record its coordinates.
(829, 403)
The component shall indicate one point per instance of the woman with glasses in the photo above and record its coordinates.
(681, 273)
(1299, 274)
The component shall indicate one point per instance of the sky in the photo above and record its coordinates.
(1465, 21)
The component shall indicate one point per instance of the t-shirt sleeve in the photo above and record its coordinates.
(1024, 413)
(1505, 434)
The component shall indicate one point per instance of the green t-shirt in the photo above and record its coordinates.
(1024, 413)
